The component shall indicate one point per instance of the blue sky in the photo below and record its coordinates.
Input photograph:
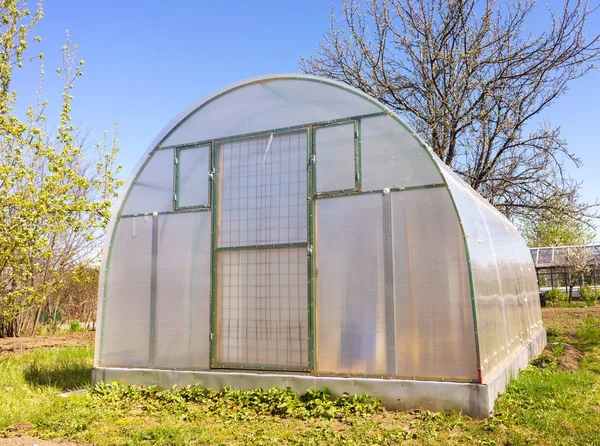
(145, 61)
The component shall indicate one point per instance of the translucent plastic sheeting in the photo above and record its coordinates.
(183, 290)
(153, 188)
(531, 302)
(262, 308)
(434, 317)
(502, 273)
(393, 157)
(126, 331)
(269, 105)
(193, 165)
(498, 312)
(263, 190)
(335, 157)
(351, 327)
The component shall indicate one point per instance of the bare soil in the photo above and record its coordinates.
(32, 441)
(570, 360)
(569, 319)
(25, 343)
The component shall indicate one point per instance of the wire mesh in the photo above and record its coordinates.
(263, 190)
(262, 294)
(263, 307)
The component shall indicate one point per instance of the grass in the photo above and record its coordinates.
(542, 407)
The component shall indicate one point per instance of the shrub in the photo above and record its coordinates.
(556, 296)
(75, 326)
(589, 293)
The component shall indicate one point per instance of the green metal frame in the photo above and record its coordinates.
(378, 191)
(311, 258)
(214, 262)
(176, 177)
(181, 211)
(358, 154)
(269, 246)
(357, 157)
(216, 249)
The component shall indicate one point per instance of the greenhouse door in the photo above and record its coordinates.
(260, 314)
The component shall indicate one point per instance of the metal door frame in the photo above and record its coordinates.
(216, 160)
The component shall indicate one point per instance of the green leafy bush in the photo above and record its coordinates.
(589, 293)
(228, 403)
(75, 326)
(556, 296)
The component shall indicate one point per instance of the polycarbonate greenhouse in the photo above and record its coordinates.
(291, 231)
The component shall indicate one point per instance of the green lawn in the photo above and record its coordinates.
(544, 406)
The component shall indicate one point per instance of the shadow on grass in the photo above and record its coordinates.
(62, 376)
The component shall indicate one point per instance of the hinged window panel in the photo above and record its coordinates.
(335, 148)
(193, 169)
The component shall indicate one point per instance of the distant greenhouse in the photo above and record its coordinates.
(292, 231)
(551, 264)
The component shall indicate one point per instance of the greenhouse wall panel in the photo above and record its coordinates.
(350, 287)
(152, 190)
(392, 157)
(434, 316)
(126, 326)
(183, 290)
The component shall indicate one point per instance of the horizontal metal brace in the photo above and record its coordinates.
(178, 211)
(269, 246)
(347, 193)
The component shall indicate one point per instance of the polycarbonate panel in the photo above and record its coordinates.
(263, 308)
(506, 297)
(335, 157)
(498, 311)
(351, 329)
(434, 318)
(393, 157)
(193, 165)
(530, 294)
(269, 105)
(126, 332)
(263, 190)
(183, 290)
(153, 188)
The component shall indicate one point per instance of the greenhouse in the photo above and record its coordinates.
(559, 266)
(290, 230)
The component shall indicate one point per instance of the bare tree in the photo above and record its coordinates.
(473, 80)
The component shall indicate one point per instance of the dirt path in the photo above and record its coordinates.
(32, 441)
(23, 344)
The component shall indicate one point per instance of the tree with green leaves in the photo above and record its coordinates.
(54, 200)
(556, 230)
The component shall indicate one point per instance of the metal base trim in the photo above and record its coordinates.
(475, 400)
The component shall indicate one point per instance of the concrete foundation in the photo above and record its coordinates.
(475, 400)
